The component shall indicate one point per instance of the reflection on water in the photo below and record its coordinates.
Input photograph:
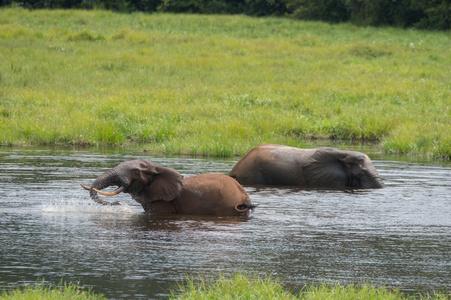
(49, 228)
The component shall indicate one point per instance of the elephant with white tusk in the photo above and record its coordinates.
(162, 190)
(326, 168)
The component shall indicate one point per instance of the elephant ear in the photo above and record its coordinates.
(326, 168)
(166, 184)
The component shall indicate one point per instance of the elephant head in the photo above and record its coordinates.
(338, 168)
(142, 179)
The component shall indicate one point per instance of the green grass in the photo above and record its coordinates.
(237, 286)
(40, 291)
(219, 85)
(245, 286)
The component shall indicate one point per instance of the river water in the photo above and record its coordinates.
(399, 236)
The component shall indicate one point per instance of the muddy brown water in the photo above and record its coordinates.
(399, 236)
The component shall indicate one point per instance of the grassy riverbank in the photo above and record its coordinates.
(43, 292)
(238, 286)
(219, 85)
(245, 286)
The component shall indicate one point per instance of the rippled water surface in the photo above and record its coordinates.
(399, 236)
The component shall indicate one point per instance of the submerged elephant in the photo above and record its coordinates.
(162, 190)
(310, 168)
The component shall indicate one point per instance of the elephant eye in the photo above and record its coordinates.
(143, 165)
(136, 172)
(361, 163)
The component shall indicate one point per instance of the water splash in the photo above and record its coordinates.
(79, 205)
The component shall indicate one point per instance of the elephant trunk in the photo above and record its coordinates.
(373, 181)
(377, 183)
(109, 178)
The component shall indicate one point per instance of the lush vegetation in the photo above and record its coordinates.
(219, 85)
(430, 14)
(237, 286)
(45, 292)
(245, 286)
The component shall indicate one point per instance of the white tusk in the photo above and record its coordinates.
(113, 193)
(85, 187)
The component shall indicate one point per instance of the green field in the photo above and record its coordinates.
(219, 85)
